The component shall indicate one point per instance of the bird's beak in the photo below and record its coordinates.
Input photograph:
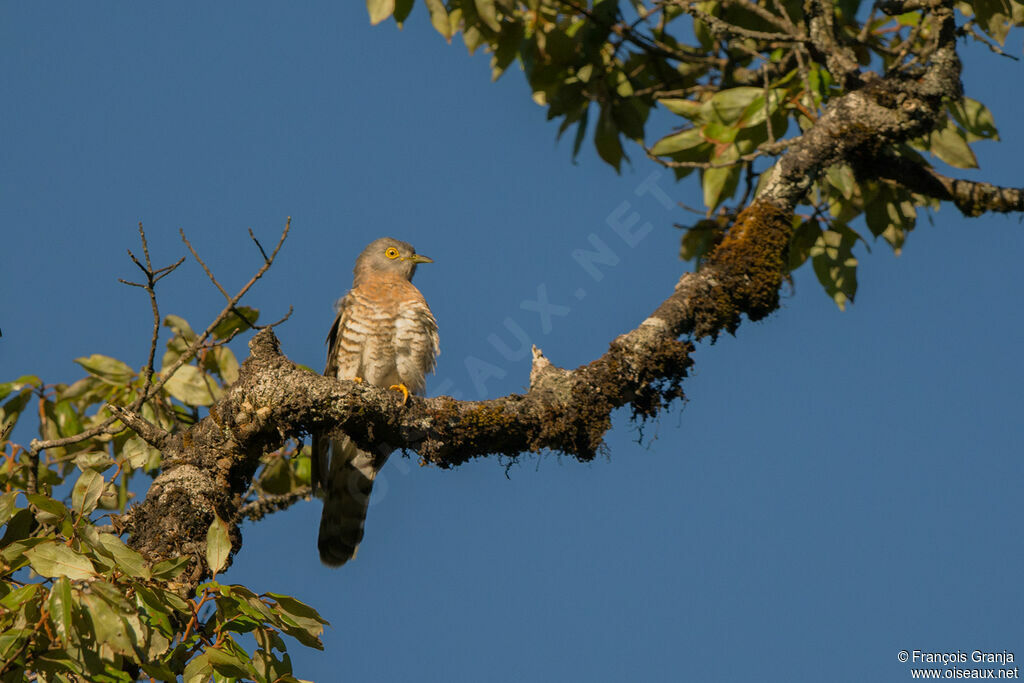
(418, 258)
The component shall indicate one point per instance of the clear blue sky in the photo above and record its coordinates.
(839, 487)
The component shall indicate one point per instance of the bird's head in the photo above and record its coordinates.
(389, 256)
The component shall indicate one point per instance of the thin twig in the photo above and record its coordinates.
(782, 23)
(724, 28)
(769, 149)
(267, 503)
(107, 425)
(258, 245)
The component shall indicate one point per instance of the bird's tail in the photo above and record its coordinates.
(347, 484)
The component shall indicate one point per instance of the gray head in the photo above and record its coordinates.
(390, 256)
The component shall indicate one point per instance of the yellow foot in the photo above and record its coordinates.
(404, 389)
(357, 380)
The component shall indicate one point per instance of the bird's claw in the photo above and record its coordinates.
(404, 389)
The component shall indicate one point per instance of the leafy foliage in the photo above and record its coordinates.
(78, 603)
(733, 81)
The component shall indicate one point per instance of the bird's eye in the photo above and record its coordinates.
(391, 253)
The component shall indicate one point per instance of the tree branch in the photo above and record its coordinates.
(973, 198)
(840, 59)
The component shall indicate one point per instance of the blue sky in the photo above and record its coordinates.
(839, 487)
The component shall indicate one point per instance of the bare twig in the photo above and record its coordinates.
(267, 503)
(768, 148)
(260, 246)
(152, 277)
(724, 28)
(150, 433)
(904, 47)
(825, 42)
(971, 197)
(190, 353)
(782, 22)
(106, 427)
(648, 44)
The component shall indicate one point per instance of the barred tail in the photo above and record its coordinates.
(347, 484)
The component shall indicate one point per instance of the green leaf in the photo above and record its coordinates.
(729, 105)
(180, 327)
(227, 364)
(402, 10)
(804, 238)
(299, 610)
(699, 239)
(686, 108)
(67, 419)
(488, 14)
(677, 142)
(59, 604)
(719, 132)
(950, 145)
(19, 384)
(380, 10)
(719, 183)
(302, 466)
(606, 139)
(890, 214)
(630, 117)
(757, 113)
(168, 570)
(107, 623)
(128, 560)
(506, 48)
(87, 492)
(235, 322)
(277, 476)
(108, 369)
(975, 118)
(54, 559)
(8, 506)
(87, 391)
(581, 133)
(995, 17)
(199, 669)
(439, 18)
(840, 176)
(48, 510)
(18, 597)
(229, 663)
(192, 387)
(11, 411)
(19, 526)
(93, 460)
(10, 642)
(218, 545)
(160, 601)
(835, 265)
(137, 453)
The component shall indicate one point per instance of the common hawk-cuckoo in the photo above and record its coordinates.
(386, 335)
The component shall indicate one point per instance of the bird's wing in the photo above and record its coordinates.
(417, 343)
(320, 460)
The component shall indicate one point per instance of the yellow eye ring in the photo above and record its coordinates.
(391, 253)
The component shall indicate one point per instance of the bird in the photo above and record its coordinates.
(384, 334)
